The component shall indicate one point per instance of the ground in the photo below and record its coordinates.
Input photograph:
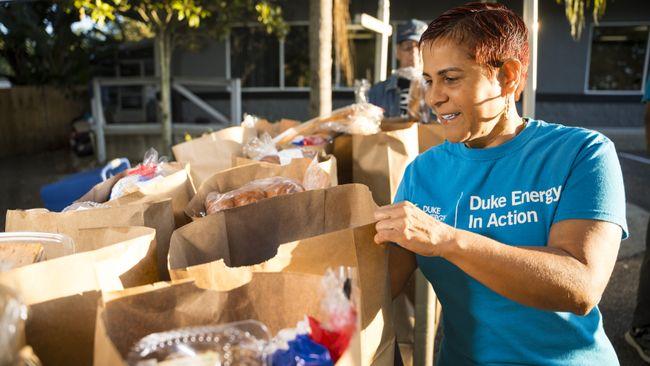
(23, 176)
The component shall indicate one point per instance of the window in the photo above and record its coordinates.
(255, 57)
(296, 57)
(618, 58)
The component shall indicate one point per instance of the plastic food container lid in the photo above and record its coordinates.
(54, 245)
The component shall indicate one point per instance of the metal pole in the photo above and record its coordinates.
(531, 19)
(425, 321)
(381, 43)
(98, 118)
(281, 68)
(235, 101)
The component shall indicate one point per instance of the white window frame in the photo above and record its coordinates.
(282, 87)
(645, 66)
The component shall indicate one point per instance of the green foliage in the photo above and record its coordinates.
(38, 45)
(575, 13)
(187, 18)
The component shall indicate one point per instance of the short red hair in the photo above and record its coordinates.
(493, 33)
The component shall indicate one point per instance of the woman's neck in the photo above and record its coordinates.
(503, 131)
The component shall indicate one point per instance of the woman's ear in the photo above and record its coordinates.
(510, 76)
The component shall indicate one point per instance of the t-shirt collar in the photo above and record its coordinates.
(501, 150)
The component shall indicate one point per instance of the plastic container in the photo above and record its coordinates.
(54, 245)
(238, 343)
(59, 195)
(13, 313)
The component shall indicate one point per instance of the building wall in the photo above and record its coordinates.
(562, 62)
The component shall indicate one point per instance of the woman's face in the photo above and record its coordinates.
(466, 98)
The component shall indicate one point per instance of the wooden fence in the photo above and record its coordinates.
(35, 119)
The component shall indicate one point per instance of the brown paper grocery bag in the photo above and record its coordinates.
(278, 300)
(378, 160)
(275, 128)
(305, 232)
(177, 186)
(234, 178)
(62, 293)
(430, 135)
(156, 215)
(327, 162)
(213, 152)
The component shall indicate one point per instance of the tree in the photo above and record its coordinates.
(178, 21)
(320, 57)
(39, 46)
(575, 13)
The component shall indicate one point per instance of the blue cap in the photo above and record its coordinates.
(411, 30)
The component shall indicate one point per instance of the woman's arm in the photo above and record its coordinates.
(569, 274)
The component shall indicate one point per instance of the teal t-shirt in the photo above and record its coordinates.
(513, 193)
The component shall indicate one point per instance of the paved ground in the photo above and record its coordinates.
(618, 301)
(23, 176)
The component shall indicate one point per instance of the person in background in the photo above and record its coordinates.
(392, 94)
(639, 334)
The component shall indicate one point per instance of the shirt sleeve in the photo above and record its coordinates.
(594, 187)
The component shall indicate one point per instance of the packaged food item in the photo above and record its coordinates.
(315, 177)
(18, 249)
(13, 313)
(252, 192)
(300, 351)
(311, 140)
(238, 343)
(261, 147)
(313, 342)
(339, 315)
(355, 119)
(151, 169)
(358, 118)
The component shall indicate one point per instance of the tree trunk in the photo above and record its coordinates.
(320, 57)
(164, 61)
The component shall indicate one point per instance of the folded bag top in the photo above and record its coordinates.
(250, 234)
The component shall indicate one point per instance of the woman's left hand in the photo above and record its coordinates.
(411, 228)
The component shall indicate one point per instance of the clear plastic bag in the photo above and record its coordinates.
(252, 192)
(355, 119)
(361, 88)
(315, 177)
(153, 166)
(261, 148)
(409, 73)
(85, 205)
(249, 121)
(418, 109)
(339, 321)
(13, 313)
(238, 343)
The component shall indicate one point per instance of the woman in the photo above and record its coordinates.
(515, 222)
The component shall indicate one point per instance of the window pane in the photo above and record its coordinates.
(254, 57)
(296, 57)
(130, 69)
(617, 57)
(363, 51)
